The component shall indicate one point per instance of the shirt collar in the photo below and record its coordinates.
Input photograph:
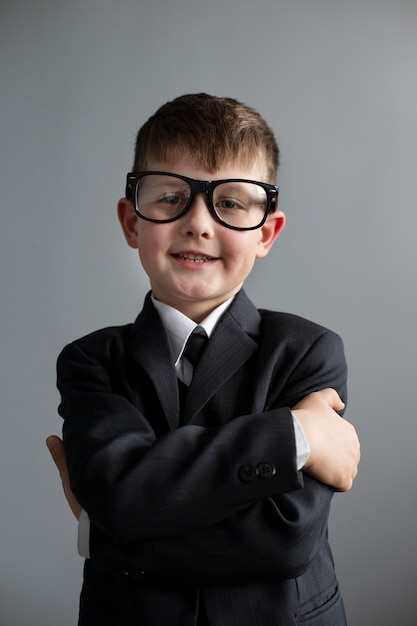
(179, 327)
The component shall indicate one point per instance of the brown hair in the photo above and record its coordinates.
(211, 131)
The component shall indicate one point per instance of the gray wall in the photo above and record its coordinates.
(337, 81)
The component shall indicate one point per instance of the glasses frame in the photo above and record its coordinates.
(202, 186)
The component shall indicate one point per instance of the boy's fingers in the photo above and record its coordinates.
(332, 398)
(328, 396)
(56, 448)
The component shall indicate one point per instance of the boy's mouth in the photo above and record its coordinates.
(195, 258)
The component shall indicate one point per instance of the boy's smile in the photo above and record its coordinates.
(195, 263)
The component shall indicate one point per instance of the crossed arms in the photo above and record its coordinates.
(271, 529)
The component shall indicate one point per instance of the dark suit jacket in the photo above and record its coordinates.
(204, 504)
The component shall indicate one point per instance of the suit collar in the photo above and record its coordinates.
(245, 314)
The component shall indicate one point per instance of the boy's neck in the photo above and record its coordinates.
(197, 314)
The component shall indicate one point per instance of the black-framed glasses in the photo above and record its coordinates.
(236, 203)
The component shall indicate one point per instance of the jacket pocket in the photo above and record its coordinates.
(324, 609)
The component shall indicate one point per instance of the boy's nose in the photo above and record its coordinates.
(198, 220)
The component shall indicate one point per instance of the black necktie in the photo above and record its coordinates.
(193, 350)
(195, 345)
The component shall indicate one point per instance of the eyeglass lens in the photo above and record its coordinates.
(238, 204)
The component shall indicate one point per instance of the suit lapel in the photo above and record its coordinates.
(150, 348)
(233, 342)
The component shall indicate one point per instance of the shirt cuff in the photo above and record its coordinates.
(301, 445)
(84, 535)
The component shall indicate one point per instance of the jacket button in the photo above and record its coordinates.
(247, 473)
(266, 470)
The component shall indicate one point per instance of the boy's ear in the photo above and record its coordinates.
(269, 232)
(128, 220)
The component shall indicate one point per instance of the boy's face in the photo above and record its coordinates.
(195, 263)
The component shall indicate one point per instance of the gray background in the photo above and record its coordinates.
(337, 81)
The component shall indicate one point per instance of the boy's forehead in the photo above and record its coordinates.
(179, 163)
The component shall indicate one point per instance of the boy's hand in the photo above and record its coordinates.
(334, 444)
(56, 448)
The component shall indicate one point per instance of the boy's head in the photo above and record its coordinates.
(210, 131)
(201, 205)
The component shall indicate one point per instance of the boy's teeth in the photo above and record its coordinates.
(193, 257)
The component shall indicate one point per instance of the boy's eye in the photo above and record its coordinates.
(161, 197)
(171, 199)
(229, 204)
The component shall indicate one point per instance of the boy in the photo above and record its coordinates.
(195, 510)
